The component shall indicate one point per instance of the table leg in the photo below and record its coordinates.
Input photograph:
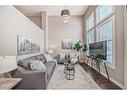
(92, 63)
(87, 60)
(106, 70)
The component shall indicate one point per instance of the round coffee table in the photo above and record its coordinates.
(69, 70)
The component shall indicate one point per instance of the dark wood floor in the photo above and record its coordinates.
(101, 80)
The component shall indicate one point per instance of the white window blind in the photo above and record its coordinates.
(104, 33)
(90, 22)
(90, 39)
(103, 11)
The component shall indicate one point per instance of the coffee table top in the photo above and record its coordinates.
(69, 65)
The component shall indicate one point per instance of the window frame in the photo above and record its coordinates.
(106, 17)
(92, 14)
(92, 30)
(110, 16)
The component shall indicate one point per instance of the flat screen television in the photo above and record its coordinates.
(98, 50)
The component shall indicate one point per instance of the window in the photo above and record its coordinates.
(103, 11)
(90, 39)
(90, 31)
(90, 22)
(102, 29)
(104, 33)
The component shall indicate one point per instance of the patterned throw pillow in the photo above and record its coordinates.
(37, 65)
(41, 58)
(48, 57)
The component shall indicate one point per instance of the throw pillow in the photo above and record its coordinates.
(37, 65)
(48, 57)
(41, 58)
(25, 65)
(62, 55)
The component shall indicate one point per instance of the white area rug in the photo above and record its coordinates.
(81, 81)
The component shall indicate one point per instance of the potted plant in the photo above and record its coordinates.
(85, 48)
(79, 47)
(98, 62)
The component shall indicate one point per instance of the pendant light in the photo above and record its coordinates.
(65, 14)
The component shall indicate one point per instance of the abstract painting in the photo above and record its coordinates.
(27, 46)
(67, 44)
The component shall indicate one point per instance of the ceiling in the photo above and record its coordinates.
(35, 10)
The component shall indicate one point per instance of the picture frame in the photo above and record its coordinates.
(67, 44)
(26, 45)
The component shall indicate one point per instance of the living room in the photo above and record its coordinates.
(57, 36)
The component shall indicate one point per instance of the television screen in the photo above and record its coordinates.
(98, 50)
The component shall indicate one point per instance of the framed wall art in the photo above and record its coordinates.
(67, 44)
(27, 46)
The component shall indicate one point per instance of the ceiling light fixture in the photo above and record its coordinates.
(65, 14)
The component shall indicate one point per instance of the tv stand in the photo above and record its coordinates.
(92, 59)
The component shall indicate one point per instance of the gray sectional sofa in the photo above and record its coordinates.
(34, 79)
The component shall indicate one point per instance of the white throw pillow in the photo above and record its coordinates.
(37, 65)
(48, 57)
(62, 55)
(74, 60)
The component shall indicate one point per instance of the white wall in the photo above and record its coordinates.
(42, 22)
(36, 20)
(58, 31)
(13, 23)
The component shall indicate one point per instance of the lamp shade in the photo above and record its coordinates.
(7, 64)
(65, 14)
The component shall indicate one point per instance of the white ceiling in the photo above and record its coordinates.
(35, 10)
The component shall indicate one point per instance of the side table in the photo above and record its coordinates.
(8, 83)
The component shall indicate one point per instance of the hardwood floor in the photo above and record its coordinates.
(101, 80)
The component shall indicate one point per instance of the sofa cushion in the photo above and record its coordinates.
(25, 63)
(49, 72)
(50, 66)
(50, 63)
(37, 65)
(41, 57)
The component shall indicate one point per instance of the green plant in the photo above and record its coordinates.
(98, 61)
(84, 48)
(78, 46)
